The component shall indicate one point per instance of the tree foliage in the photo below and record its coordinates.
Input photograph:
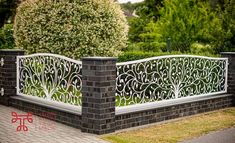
(150, 9)
(147, 11)
(186, 22)
(226, 37)
(6, 37)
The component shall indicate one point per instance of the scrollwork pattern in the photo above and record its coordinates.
(50, 77)
(169, 77)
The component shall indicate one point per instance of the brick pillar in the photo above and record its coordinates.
(98, 94)
(8, 74)
(231, 71)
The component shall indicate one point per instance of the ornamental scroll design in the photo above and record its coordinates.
(169, 77)
(51, 77)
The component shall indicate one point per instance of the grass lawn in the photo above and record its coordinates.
(174, 131)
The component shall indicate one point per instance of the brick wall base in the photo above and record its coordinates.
(133, 119)
(171, 112)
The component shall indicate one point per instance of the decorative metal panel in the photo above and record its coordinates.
(51, 77)
(169, 77)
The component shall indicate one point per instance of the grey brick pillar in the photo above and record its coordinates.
(8, 74)
(98, 94)
(231, 71)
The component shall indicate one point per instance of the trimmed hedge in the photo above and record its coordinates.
(72, 28)
(136, 55)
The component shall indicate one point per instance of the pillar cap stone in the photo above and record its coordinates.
(11, 51)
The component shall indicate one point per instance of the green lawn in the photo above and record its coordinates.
(174, 131)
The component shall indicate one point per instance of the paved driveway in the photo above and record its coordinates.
(40, 131)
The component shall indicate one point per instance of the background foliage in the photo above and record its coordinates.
(6, 37)
(7, 11)
(186, 26)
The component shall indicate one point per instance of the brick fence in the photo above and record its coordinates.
(98, 114)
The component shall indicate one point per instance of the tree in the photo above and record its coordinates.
(147, 11)
(226, 37)
(70, 27)
(185, 22)
(150, 9)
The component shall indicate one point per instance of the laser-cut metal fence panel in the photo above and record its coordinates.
(49, 76)
(169, 77)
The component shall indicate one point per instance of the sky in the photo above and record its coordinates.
(132, 1)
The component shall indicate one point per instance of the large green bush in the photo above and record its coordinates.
(73, 28)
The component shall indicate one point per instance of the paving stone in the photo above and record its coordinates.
(59, 134)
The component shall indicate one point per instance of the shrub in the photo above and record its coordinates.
(198, 48)
(152, 46)
(6, 37)
(71, 27)
(136, 55)
(147, 46)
